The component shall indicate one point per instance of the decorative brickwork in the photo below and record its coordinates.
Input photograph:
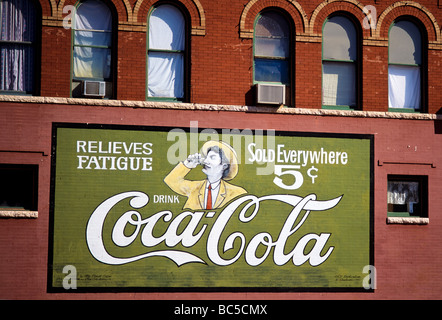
(221, 48)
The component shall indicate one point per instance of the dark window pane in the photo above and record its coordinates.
(18, 187)
(407, 196)
(272, 25)
(272, 40)
(271, 70)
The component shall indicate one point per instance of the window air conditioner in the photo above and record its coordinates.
(94, 88)
(270, 93)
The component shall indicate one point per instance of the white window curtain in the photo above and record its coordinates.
(92, 40)
(17, 36)
(404, 87)
(92, 62)
(166, 74)
(166, 29)
(166, 53)
(405, 61)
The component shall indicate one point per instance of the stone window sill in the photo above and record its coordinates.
(18, 214)
(407, 220)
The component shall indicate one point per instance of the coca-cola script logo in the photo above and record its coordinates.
(245, 208)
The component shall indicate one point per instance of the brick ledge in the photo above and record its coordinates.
(215, 107)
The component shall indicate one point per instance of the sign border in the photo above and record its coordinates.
(52, 289)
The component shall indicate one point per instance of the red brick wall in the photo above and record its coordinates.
(221, 58)
(55, 62)
(434, 81)
(375, 78)
(308, 75)
(131, 70)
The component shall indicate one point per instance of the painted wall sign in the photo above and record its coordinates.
(146, 208)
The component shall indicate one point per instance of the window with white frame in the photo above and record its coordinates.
(166, 53)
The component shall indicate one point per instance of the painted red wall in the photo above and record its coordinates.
(407, 257)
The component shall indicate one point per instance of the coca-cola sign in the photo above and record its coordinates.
(203, 209)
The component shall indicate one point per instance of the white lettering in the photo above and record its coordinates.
(191, 232)
(115, 163)
(94, 233)
(81, 146)
(260, 155)
(305, 157)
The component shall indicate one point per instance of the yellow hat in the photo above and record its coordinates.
(229, 152)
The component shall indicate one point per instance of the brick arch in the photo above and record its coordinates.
(194, 8)
(326, 8)
(407, 8)
(47, 7)
(119, 6)
(251, 10)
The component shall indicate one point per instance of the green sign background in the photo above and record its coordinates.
(78, 192)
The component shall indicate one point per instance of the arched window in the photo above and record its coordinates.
(18, 41)
(272, 48)
(166, 53)
(92, 48)
(339, 63)
(405, 66)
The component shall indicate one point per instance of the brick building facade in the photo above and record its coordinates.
(220, 66)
